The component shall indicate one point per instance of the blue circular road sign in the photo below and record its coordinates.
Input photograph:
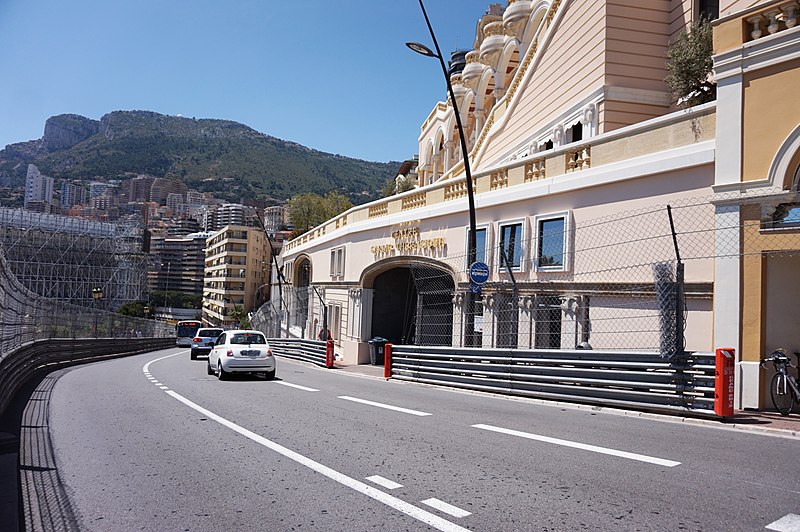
(479, 272)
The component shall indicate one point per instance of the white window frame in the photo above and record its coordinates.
(523, 247)
(566, 242)
(340, 262)
(335, 322)
(487, 247)
(337, 262)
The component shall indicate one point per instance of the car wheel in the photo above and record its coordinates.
(192, 355)
(269, 375)
(221, 375)
(209, 369)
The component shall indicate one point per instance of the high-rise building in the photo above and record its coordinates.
(236, 273)
(275, 218)
(38, 190)
(139, 188)
(177, 264)
(216, 217)
(175, 203)
(99, 188)
(161, 187)
(72, 193)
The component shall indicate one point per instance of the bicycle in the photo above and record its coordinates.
(784, 389)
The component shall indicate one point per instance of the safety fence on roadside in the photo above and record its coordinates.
(313, 351)
(19, 366)
(26, 317)
(623, 379)
(37, 333)
(637, 280)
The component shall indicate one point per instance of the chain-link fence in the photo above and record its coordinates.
(25, 317)
(638, 280)
(642, 280)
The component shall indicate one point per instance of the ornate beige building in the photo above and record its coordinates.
(591, 188)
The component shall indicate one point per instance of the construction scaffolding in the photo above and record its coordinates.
(65, 258)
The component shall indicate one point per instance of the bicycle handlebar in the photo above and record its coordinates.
(779, 357)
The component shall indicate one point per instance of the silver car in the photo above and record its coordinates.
(203, 341)
(241, 351)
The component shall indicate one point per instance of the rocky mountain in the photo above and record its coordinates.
(227, 158)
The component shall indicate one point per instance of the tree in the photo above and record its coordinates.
(310, 210)
(397, 185)
(240, 316)
(689, 66)
(134, 309)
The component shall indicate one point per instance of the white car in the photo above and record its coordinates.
(241, 351)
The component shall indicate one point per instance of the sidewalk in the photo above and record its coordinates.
(746, 420)
(766, 421)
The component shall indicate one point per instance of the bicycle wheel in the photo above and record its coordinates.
(781, 392)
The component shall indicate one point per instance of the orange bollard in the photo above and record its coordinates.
(723, 382)
(387, 361)
(329, 354)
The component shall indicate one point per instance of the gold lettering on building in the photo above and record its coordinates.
(407, 241)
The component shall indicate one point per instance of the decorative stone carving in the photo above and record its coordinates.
(558, 135)
(789, 15)
(774, 25)
(756, 22)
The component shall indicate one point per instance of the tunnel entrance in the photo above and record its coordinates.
(412, 305)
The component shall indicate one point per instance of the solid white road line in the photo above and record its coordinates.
(388, 407)
(365, 489)
(585, 447)
(442, 506)
(290, 385)
(385, 482)
(787, 523)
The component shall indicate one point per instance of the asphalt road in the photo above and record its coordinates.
(153, 443)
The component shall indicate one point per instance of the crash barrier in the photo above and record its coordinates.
(314, 351)
(634, 380)
(20, 365)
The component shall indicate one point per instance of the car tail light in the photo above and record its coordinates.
(196, 340)
(269, 352)
(229, 352)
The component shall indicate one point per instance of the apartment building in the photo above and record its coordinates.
(237, 262)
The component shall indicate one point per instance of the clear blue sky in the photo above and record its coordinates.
(333, 75)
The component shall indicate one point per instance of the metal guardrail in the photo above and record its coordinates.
(610, 378)
(300, 349)
(20, 365)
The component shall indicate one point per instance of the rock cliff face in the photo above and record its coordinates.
(65, 131)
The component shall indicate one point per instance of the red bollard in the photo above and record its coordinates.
(329, 354)
(387, 361)
(723, 382)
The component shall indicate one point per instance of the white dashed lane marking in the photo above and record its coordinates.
(582, 446)
(449, 509)
(297, 386)
(385, 482)
(387, 407)
(787, 523)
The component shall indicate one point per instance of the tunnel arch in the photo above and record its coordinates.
(412, 300)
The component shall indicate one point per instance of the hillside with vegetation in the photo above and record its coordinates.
(220, 156)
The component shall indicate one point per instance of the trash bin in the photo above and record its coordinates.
(376, 346)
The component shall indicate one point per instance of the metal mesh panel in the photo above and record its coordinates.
(610, 282)
(640, 280)
(64, 258)
(25, 317)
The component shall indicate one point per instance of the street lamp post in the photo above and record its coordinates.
(97, 295)
(469, 328)
(166, 288)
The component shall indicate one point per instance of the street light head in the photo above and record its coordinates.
(421, 49)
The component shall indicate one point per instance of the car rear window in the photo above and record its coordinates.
(209, 333)
(248, 338)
